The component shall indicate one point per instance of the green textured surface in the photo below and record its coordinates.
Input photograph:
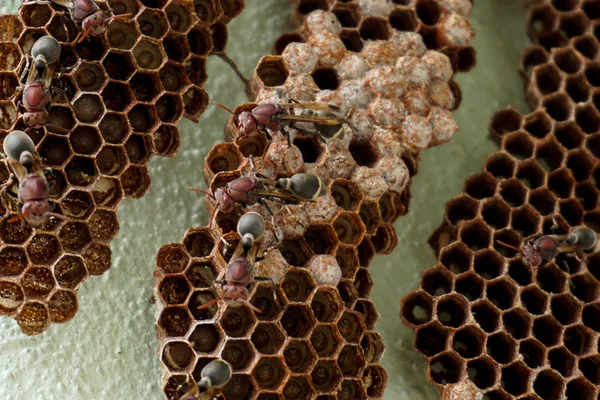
(108, 351)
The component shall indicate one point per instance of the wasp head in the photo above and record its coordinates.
(35, 119)
(96, 22)
(36, 212)
(246, 123)
(235, 292)
(224, 200)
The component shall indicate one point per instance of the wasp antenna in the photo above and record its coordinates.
(120, 16)
(201, 191)
(224, 107)
(252, 306)
(510, 246)
(209, 304)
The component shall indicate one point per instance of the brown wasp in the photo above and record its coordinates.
(277, 116)
(212, 377)
(93, 20)
(542, 248)
(33, 192)
(240, 270)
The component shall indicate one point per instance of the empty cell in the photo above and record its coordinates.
(584, 287)
(542, 19)
(88, 108)
(298, 387)
(74, 236)
(559, 107)
(515, 378)
(195, 101)
(370, 215)
(326, 79)
(549, 156)
(85, 140)
(117, 96)
(513, 192)
(562, 361)
(309, 146)
(469, 341)
(547, 78)
(588, 119)
(579, 91)
(107, 192)
(579, 340)
(486, 315)
(326, 305)
(588, 47)
(475, 235)
(417, 308)
(534, 300)
(364, 152)
(592, 73)
(505, 121)
(351, 361)
(175, 321)
(201, 274)
(142, 118)
(372, 347)
(240, 387)
(369, 312)
(89, 76)
(195, 68)
(501, 347)
(533, 352)
(561, 182)
(326, 376)
(567, 60)
(351, 326)
(267, 338)
(119, 66)
(347, 259)
(591, 316)
(436, 281)
(271, 71)
(480, 186)
(174, 290)
(199, 242)
(81, 171)
(374, 28)
(431, 339)
(482, 372)
(500, 165)
(489, 264)
(593, 144)
(446, 368)
(551, 279)
(592, 220)
(461, 208)
(297, 321)
(519, 145)
(266, 299)
(580, 389)
(363, 283)
(553, 40)
(173, 76)
(549, 385)
(377, 378)
(532, 56)
(525, 221)
(590, 367)
(543, 201)
(547, 330)
(470, 286)
(457, 258)
(572, 211)
(351, 40)
(530, 174)
(219, 37)
(138, 149)
(574, 24)
(176, 46)
(452, 310)
(401, 19)
(305, 7)
(385, 239)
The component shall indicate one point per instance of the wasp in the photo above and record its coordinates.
(240, 270)
(213, 376)
(86, 13)
(543, 248)
(277, 116)
(33, 192)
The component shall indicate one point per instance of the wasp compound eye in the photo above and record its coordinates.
(16, 143)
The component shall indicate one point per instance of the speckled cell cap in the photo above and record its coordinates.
(487, 322)
(317, 341)
(122, 94)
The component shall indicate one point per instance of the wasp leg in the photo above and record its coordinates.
(223, 56)
(273, 287)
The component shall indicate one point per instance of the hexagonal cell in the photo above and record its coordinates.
(37, 282)
(205, 338)
(351, 40)
(452, 310)
(305, 7)
(547, 78)
(351, 361)
(513, 192)
(326, 305)
(486, 315)
(461, 208)
(89, 76)
(42, 249)
(35, 15)
(591, 312)
(11, 297)
(468, 341)
(584, 287)
(169, 108)
(533, 352)
(561, 183)
(119, 66)
(175, 321)
(152, 23)
(436, 281)
(117, 97)
(121, 34)
(12, 233)
(176, 46)
(219, 37)
(166, 140)
(501, 347)
(519, 145)
(269, 372)
(326, 78)
(351, 326)
(177, 355)
(530, 174)
(580, 389)
(238, 353)
(475, 235)
(199, 242)
(201, 43)
(297, 285)
(369, 312)
(587, 46)
(480, 185)
(70, 271)
(266, 300)
(457, 258)
(195, 101)
(297, 321)
(385, 239)
(391, 206)
(505, 121)
(295, 251)
(482, 372)
(267, 338)
(138, 149)
(201, 274)
(88, 108)
(85, 140)
(567, 60)
(403, 19)
(431, 339)
(579, 340)
(74, 236)
(470, 286)
(107, 192)
(534, 300)
(348, 15)
(549, 385)
(565, 308)
(374, 28)
(489, 264)
(179, 18)
(547, 330)
(146, 86)
(515, 378)
(298, 387)
(174, 290)
(81, 171)
(496, 213)
(33, 318)
(299, 356)
(446, 368)
(325, 340)
(562, 361)
(326, 376)
(237, 321)
(525, 221)
(558, 107)
(271, 71)
(543, 201)
(113, 128)
(142, 118)
(97, 258)
(346, 194)
(417, 308)
(104, 225)
(240, 387)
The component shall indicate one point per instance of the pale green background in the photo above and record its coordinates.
(108, 351)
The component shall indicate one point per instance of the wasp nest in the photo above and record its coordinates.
(442, 24)
(482, 315)
(317, 340)
(124, 93)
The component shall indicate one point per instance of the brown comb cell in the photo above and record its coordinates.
(124, 94)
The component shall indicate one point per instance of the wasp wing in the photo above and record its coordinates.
(18, 169)
(313, 106)
(65, 5)
(280, 195)
(315, 119)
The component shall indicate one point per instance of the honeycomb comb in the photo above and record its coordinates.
(126, 91)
